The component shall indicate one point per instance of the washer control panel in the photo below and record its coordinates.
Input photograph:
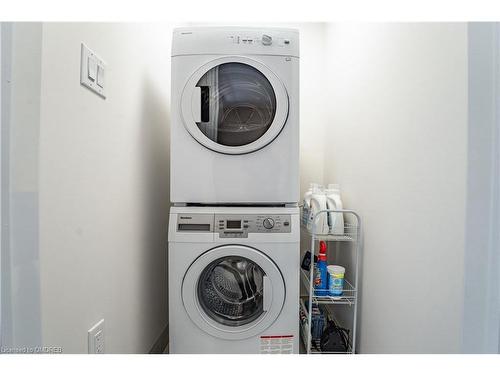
(238, 226)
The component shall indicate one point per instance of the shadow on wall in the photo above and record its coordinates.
(154, 139)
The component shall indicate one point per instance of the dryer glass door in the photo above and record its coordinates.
(233, 292)
(237, 104)
(234, 105)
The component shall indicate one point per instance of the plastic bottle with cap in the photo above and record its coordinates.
(317, 219)
(333, 202)
(321, 272)
(335, 280)
(307, 201)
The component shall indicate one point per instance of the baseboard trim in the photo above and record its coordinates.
(161, 343)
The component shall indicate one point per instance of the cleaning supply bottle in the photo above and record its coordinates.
(307, 201)
(333, 202)
(321, 272)
(318, 220)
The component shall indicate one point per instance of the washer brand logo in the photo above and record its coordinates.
(186, 217)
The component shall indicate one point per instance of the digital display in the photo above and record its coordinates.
(233, 224)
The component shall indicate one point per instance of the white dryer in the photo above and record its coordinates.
(235, 116)
(233, 280)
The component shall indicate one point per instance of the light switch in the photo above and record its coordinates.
(92, 68)
(92, 71)
(100, 75)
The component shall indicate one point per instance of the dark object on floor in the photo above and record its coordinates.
(334, 338)
(306, 261)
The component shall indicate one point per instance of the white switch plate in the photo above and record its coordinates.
(96, 338)
(85, 80)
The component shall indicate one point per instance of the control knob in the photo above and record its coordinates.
(267, 40)
(268, 223)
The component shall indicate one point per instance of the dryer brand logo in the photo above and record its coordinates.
(186, 217)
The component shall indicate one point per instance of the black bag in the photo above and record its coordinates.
(334, 338)
(306, 261)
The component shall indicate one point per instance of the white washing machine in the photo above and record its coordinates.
(233, 280)
(235, 116)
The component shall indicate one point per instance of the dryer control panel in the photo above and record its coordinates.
(235, 41)
(258, 39)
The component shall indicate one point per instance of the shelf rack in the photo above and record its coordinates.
(349, 297)
(315, 344)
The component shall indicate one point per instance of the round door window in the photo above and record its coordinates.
(233, 292)
(238, 104)
(231, 289)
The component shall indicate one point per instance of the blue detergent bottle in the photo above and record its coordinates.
(321, 272)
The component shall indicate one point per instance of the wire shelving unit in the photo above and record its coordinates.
(350, 241)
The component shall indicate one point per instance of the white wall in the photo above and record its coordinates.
(104, 189)
(313, 108)
(88, 188)
(396, 141)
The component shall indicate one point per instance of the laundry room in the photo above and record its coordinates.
(249, 187)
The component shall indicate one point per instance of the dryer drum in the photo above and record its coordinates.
(230, 291)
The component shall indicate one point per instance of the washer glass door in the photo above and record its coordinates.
(233, 292)
(234, 105)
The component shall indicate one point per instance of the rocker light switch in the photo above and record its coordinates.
(92, 71)
(92, 68)
(100, 75)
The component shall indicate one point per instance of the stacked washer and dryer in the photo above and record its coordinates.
(234, 226)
